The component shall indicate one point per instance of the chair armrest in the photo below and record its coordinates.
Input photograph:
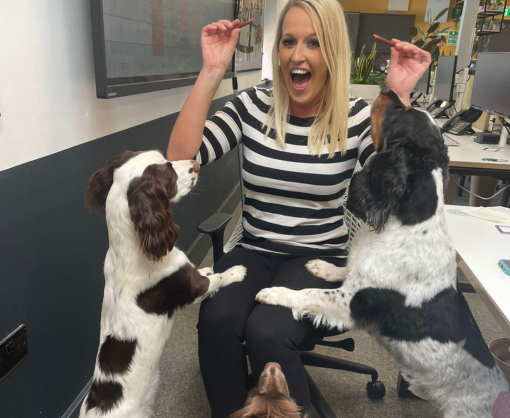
(214, 223)
(214, 226)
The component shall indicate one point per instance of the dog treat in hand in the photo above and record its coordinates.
(384, 40)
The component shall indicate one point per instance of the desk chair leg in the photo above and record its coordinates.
(403, 388)
(318, 401)
(462, 181)
(375, 389)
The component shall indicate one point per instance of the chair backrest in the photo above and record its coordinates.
(352, 223)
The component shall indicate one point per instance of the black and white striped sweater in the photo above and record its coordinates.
(293, 201)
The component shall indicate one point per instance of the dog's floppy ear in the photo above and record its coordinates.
(101, 181)
(375, 192)
(149, 205)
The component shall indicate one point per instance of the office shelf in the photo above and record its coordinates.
(490, 13)
(488, 16)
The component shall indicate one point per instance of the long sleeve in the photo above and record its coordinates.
(365, 146)
(222, 133)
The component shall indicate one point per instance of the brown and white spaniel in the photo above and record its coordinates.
(147, 278)
(272, 399)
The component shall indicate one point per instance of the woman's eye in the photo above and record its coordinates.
(314, 43)
(288, 42)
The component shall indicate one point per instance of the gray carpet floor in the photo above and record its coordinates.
(181, 393)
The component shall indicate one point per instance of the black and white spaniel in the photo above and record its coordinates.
(400, 280)
(146, 278)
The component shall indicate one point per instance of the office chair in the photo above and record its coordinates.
(214, 226)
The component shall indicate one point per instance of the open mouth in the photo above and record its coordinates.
(300, 78)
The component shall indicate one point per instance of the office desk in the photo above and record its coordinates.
(479, 247)
(466, 159)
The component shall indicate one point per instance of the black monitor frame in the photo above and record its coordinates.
(131, 85)
(484, 109)
(454, 73)
(427, 74)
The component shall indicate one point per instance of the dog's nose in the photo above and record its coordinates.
(272, 365)
(385, 90)
(195, 167)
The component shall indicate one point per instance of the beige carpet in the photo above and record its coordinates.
(181, 393)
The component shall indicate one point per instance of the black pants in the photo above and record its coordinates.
(232, 317)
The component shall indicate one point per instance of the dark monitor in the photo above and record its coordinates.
(491, 87)
(423, 84)
(445, 77)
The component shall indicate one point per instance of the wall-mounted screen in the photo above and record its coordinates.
(148, 45)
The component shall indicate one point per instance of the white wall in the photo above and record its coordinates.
(47, 88)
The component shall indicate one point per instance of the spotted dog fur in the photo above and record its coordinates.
(147, 278)
(400, 280)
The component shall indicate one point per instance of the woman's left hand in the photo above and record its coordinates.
(406, 68)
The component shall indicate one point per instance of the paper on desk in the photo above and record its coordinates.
(495, 214)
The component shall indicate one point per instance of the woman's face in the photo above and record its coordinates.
(304, 70)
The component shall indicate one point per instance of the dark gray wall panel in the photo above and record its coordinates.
(500, 42)
(51, 257)
(352, 19)
(386, 25)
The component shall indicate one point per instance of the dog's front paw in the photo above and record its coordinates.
(326, 271)
(276, 296)
(234, 274)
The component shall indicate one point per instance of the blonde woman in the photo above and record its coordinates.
(302, 141)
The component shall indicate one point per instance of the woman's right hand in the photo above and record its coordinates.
(219, 42)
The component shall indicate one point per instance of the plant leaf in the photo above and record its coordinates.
(429, 48)
(422, 34)
(419, 43)
(442, 31)
(433, 27)
(434, 41)
(441, 13)
(413, 31)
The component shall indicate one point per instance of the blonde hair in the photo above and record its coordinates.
(330, 126)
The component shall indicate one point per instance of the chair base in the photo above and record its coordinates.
(375, 388)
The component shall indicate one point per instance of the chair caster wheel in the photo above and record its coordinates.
(376, 390)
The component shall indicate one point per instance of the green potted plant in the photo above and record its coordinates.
(364, 82)
(429, 40)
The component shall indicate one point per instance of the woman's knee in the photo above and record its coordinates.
(217, 319)
(270, 328)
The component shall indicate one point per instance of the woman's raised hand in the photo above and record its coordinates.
(407, 64)
(219, 41)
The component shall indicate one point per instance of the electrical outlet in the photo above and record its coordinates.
(13, 350)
